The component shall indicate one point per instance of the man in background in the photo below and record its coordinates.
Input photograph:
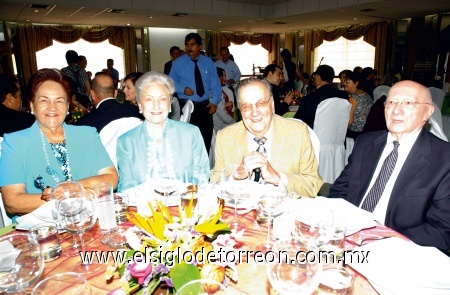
(402, 175)
(79, 78)
(196, 79)
(274, 74)
(175, 53)
(231, 68)
(113, 71)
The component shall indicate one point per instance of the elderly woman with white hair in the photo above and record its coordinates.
(159, 147)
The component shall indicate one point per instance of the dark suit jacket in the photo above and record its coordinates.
(108, 111)
(419, 206)
(12, 120)
(280, 107)
(167, 67)
(308, 104)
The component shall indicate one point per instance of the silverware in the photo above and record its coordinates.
(362, 242)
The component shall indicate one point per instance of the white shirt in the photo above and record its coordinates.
(407, 142)
(103, 101)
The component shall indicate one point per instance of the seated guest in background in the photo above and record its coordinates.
(343, 75)
(174, 54)
(274, 75)
(231, 68)
(358, 69)
(402, 176)
(50, 149)
(159, 147)
(108, 110)
(11, 117)
(290, 70)
(285, 150)
(367, 83)
(129, 88)
(224, 115)
(361, 104)
(322, 77)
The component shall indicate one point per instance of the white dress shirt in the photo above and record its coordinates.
(406, 144)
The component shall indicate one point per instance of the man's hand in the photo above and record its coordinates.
(212, 108)
(188, 91)
(255, 160)
(289, 97)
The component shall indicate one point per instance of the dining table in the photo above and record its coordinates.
(252, 277)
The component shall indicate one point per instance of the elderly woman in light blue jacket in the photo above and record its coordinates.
(159, 147)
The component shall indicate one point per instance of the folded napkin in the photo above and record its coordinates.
(7, 256)
(313, 210)
(40, 215)
(396, 266)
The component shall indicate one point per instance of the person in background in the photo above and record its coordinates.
(214, 57)
(274, 74)
(343, 75)
(224, 115)
(79, 78)
(290, 71)
(413, 197)
(129, 88)
(361, 103)
(204, 91)
(82, 61)
(159, 147)
(287, 155)
(323, 78)
(113, 72)
(358, 69)
(37, 158)
(175, 53)
(231, 68)
(368, 82)
(11, 116)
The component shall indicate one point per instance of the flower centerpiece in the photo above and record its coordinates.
(175, 249)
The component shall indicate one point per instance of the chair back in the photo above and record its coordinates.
(330, 125)
(113, 130)
(435, 122)
(314, 140)
(187, 111)
(380, 91)
(437, 95)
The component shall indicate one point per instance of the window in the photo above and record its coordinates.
(247, 55)
(343, 54)
(96, 55)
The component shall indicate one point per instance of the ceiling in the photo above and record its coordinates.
(265, 16)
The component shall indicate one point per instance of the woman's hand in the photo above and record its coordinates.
(46, 194)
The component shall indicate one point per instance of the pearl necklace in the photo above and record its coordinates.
(49, 169)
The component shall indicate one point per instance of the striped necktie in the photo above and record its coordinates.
(377, 189)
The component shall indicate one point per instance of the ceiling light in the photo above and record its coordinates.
(128, 24)
(27, 20)
(150, 17)
(219, 21)
(36, 10)
(355, 18)
(116, 11)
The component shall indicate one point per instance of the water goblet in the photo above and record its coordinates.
(21, 264)
(165, 187)
(77, 214)
(71, 282)
(269, 206)
(234, 187)
(293, 271)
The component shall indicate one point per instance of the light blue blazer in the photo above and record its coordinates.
(23, 156)
(186, 144)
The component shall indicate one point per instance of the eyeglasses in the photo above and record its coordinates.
(348, 81)
(248, 107)
(405, 104)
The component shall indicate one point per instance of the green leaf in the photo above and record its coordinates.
(183, 273)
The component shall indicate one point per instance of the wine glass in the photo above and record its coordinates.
(270, 205)
(59, 190)
(294, 271)
(165, 187)
(71, 282)
(21, 264)
(234, 186)
(77, 214)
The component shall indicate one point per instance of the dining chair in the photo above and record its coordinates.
(330, 125)
(380, 91)
(435, 124)
(112, 131)
(437, 95)
(186, 112)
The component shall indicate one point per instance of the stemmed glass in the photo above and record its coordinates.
(234, 186)
(21, 264)
(165, 187)
(77, 214)
(70, 282)
(59, 190)
(270, 205)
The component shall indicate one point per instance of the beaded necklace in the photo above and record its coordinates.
(61, 153)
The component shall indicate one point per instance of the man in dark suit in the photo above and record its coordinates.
(11, 117)
(175, 52)
(322, 77)
(414, 197)
(274, 74)
(107, 109)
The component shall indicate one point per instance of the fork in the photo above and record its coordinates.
(361, 243)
